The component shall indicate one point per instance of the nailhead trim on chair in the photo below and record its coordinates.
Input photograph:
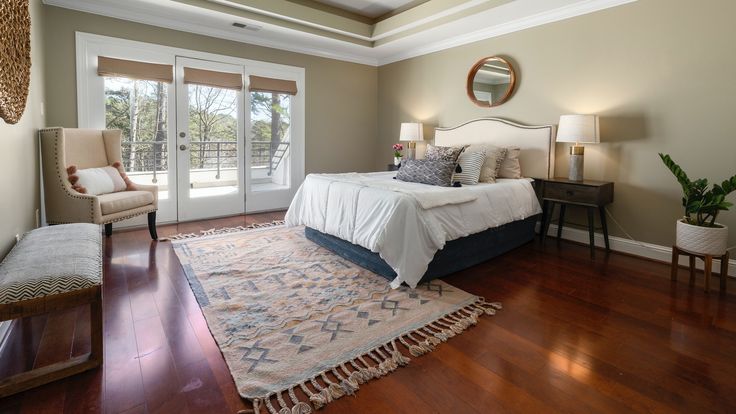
(62, 182)
(108, 221)
(59, 168)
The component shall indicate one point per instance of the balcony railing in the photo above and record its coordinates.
(153, 157)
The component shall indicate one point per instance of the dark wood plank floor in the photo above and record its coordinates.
(576, 335)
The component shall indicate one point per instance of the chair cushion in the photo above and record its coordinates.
(52, 260)
(124, 200)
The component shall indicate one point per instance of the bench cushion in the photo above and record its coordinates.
(52, 260)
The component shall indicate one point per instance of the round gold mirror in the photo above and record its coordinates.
(491, 81)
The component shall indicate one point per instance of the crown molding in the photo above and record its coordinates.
(308, 44)
(510, 17)
(528, 22)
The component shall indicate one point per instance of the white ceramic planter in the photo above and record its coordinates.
(702, 240)
(397, 161)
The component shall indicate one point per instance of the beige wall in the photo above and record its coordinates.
(340, 96)
(660, 73)
(19, 151)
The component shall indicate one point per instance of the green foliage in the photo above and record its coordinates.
(270, 114)
(139, 109)
(702, 204)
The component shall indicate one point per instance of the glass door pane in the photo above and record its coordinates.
(140, 109)
(213, 141)
(270, 134)
(210, 131)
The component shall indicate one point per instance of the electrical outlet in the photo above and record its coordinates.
(17, 238)
(38, 218)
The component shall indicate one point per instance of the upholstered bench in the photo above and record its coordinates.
(51, 269)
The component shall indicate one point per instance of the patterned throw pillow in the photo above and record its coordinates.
(511, 167)
(494, 158)
(443, 153)
(432, 172)
(471, 164)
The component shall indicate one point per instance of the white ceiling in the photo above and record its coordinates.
(367, 8)
(507, 18)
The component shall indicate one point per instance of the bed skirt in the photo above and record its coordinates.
(457, 255)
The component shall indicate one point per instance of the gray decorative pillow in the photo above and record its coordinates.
(443, 153)
(432, 172)
(471, 164)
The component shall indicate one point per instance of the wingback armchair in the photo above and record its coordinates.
(89, 148)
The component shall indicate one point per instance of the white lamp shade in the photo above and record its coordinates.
(411, 131)
(579, 128)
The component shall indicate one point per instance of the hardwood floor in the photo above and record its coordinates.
(576, 335)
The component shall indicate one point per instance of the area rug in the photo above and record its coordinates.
(290, 315)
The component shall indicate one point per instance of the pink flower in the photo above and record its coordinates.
(398, 147)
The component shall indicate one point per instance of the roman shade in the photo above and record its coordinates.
(107, 66)
(262, 84)
(213, 78)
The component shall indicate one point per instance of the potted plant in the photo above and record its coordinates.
(397, 153)
(698, 232)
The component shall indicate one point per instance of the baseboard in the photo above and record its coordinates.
(637, 248)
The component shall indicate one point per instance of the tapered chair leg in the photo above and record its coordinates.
(108, 229)
(152, 225)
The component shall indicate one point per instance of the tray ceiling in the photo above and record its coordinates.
(361, 31)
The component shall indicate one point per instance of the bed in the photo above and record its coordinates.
(410, 232)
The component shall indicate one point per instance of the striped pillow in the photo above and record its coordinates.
(471, 164)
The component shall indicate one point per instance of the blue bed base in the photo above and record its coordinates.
(457, 255)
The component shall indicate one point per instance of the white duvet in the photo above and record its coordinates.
(406, 223)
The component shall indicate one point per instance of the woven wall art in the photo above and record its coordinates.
(15, 58)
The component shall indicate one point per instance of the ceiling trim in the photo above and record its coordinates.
(562, 13)
(277, 37)
(145, 17)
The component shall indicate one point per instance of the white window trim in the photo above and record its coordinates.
(91, 106)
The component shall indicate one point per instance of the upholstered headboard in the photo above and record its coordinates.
(536, 141)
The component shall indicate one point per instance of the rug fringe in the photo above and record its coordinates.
(386, 357)
(221, 230)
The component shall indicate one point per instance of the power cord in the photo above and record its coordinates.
(608, 213)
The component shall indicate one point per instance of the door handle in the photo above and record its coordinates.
(182, 147)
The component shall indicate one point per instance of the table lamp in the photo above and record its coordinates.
(412, 132)
(580, 129)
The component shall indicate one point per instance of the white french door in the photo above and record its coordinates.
(212, 151)
(210, 143)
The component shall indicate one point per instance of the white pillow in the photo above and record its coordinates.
(470, 163)
(100, 180)
(494, 158)
(511, 167)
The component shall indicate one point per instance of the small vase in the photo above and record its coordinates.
(397, 161)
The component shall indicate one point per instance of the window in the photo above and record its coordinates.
(139, 109)
(270, 139)
(213, 134)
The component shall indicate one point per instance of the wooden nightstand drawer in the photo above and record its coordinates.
(588, 192)
(572, 193)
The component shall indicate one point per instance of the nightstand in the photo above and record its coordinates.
(593, 195)
(392, 167)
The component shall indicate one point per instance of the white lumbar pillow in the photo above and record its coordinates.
(100, 180)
